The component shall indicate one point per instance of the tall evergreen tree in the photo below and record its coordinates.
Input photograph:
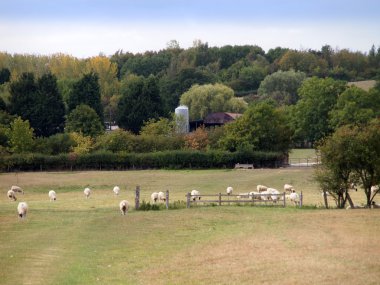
(87, 91)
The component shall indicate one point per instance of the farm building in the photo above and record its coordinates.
(214, 119)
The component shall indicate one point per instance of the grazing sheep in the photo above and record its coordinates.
(195, 195)
(52, 195)
(294, 197)
(22, 209)
(375, 206)
(261, 188)
(12, 195)
(154, 197)
(265, 195)
(87, 192)
(276, 193)
(229, 190)
(116, 190)
(124, 206)
(161, 196)
(18, 189)
(288, 188)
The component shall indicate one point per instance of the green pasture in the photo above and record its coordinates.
(86, 241)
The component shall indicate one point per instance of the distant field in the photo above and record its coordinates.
(302, 153)
(79, 241)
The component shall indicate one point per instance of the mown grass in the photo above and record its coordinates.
(79, 241)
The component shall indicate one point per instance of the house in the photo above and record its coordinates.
(214, 119)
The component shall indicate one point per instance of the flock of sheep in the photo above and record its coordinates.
(22, 207)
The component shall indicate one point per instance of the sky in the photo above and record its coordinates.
(85, 28)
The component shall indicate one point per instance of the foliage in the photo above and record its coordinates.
(197, 140)
(83, 144)
(20, 136)
(85, 120)
(205, 99)
(87, 91)
(282, 86)
(5, 75)
(55, 144)
(147, 206)
(317, 98)
(159, 127)
(260, 128)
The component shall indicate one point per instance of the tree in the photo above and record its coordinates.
(87, 91)
(159, 127)
(140, 102)
(197, 140)
(260, 128)
(50, 108)
(83, 119)
(20, 136)
(355, 106)
(354, 152)
(317, 98)
(282, 86)
(5, 75)
(205, 99)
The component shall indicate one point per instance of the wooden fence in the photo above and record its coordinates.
(137, 198)
(246, 198)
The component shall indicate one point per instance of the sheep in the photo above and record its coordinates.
(12, 195)
(161, 196)
(265, 195)
(22, 209)
(116, 190)
(294, 197)
(229, 190)
(52, 195)
(87, 192)
(124, 206)
(288, 188)
(243, 195)
(261, 188)
(254, 195)
(18, 189)
(195, 195)
(154, 197)
(375, 205)
(276, 193)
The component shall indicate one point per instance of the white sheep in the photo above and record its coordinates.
(124, 206)
(18, 189)
(243, 195)
(22, 209)
(52, 195)
(276, 193)
(229, 190)
(294, 197)
(116, 190)
(265, 195)
(87, 192)
(161, 196)
(261, 188)
(195, 195)
(154, 197)
(254, 195)
(11, 195)
(288, 188)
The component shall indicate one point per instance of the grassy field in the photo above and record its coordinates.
(79, 241)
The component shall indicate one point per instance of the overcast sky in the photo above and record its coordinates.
(85, 28)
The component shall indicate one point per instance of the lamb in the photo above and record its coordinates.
(229, 190)
(154, 197)
(294, 197)
(12, 195)
(116, 190)
(261, 188)
(161, 196)
(18, 189)
(52, 195)
(22, 209)
(288, 188)
(124, 206)
(87, 192)
(195, 195)
(375, 205)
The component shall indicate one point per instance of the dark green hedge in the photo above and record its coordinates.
(155, 160)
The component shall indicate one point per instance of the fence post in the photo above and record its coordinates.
(220, 199)
(301, 198)
(284, 197)
(167, 199)
(137, 197)
(188, 200)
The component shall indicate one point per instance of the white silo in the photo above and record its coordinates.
(182, 119)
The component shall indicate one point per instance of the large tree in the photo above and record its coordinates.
(209, 98)
(311, 113)
(87, 91)
(140, 102)
(282, 86)
(83, 119)
(260, 128)
(20, 136)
